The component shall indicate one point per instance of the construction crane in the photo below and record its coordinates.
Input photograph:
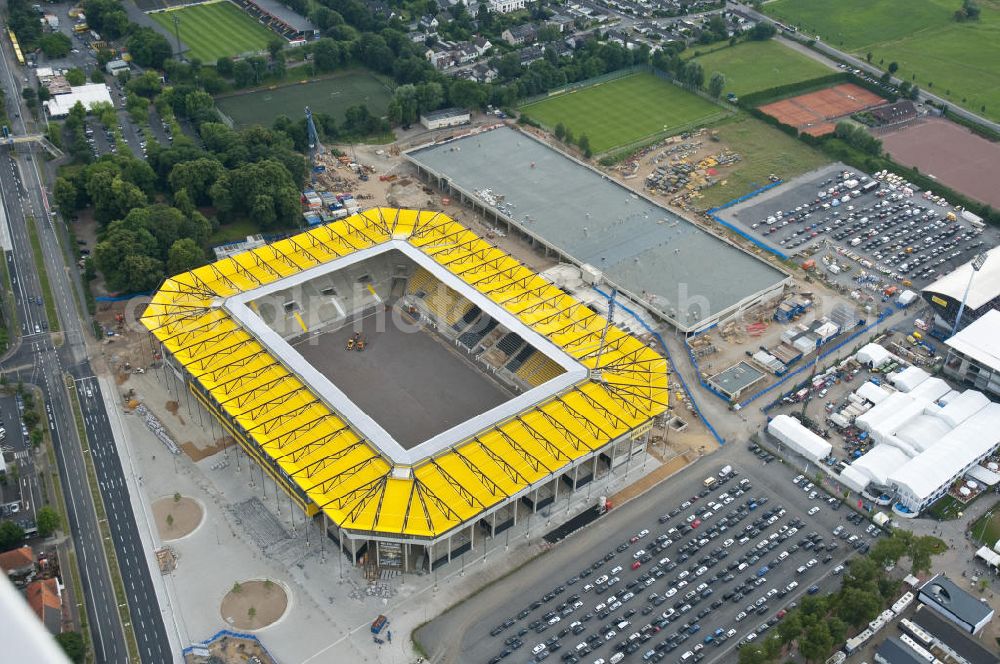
(315, 147)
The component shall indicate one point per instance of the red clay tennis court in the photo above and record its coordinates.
(815, 113)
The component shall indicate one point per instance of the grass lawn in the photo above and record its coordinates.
(954, 60)
(332, 95)
(625, 110)
(945, 509)
(765, 150)
(215, 30)
(986, 529)
(754, 66)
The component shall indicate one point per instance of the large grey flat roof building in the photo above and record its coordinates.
(676, 269)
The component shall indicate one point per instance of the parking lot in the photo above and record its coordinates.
(879, 232)
(689, 576)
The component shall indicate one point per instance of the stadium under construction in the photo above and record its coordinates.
(406, 382)
(678, 271)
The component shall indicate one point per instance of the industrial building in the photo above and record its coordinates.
(678, 271)
(446, 117)
(88, 95)
(945, 295)
(964, 609)
(404, 479)
(974, 354)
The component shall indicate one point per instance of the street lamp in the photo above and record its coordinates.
(977, 265)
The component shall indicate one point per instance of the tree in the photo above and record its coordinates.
(584, 144)
(11, 535)
(893, 67)
(716, 85)
(97, 76)
(693, 75)
(184, 255)
(857, 607)
(568, 136)
(817, 642)
(170, 521)
(148, 47)
(762, 31)
(55, 45)
(47, 521)
(790, 627)
(560, 130)
(76, 76)
(237, 588)
(224, 66)
(251, 613)
(73, 645)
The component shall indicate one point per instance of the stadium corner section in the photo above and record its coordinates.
(326, 467)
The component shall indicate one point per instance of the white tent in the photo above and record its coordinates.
(931, 389)
(923, 431)
(947, 399)
(790, 431)
(909, 378)
(962, 407)
(879, 463)
(873, 355)
(989, 557)
(906, 298)
(872, 392)
(927, 475)
(854, 479)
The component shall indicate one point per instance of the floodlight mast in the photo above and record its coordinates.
(977, 265)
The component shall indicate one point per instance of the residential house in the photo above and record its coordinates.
(18, 563)
(45, 599)
(428, 23)
(505, 6)
(464, 53)
(484, 73)
(531, 54)
(560, 21)
(482, 44)
(520, 34)
(440, 56)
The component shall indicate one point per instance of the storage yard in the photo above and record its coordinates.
(876, 234)
(816, 113)
(950, 153)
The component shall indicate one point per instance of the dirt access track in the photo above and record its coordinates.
(950, 153)
(815, 113)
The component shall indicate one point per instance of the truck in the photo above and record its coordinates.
(710, 482)
(725, 471)
(379, 624)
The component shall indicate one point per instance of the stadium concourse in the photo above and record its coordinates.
(583, 394)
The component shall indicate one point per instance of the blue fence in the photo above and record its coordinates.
(740, 231)
(666, 353)
(889, 310)
(225, 632)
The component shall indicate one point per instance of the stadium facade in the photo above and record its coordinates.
(582, 394)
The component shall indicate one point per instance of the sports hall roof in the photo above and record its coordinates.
(985, 286)
(343, 473)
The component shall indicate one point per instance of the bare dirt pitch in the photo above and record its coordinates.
(254, 604)
(951, 153)
(177, 518)
(815, 113)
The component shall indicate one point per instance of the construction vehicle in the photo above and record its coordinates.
(315, 147)
(352, 342)
(360, 346)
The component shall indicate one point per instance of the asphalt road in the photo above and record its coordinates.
(24, 197)
(463, 633)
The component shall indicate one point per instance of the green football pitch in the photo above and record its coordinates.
(957, 61)
(215, 30)
(760, 65)
(623, 111)
(332, 95)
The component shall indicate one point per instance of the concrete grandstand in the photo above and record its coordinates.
(487, 390)
(680, 272)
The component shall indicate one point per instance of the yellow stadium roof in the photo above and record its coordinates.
(323, 455)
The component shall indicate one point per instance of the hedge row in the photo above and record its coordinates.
(762, 97)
